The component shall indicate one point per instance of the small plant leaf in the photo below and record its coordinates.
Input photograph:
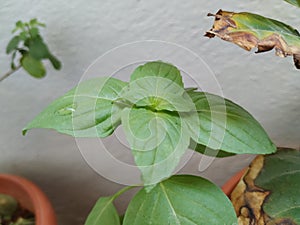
(13, 44)
(33, 66)
(222, 125)
(54, 61)
(33, 22)
(157, 139)
(88, 110)
(37, 48)
(294, 2)
(158, 69)
(19, 26)
(13, 56)
(104, 212)
(181, 200)
(34, 32)
(23, 36)
(254, 31)
(270, 190)
(158, 93)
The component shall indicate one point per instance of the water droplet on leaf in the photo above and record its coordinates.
(66, 110)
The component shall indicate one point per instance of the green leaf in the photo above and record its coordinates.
(157, 139)
(12, 64)
(281, 176)
(13, 44)
(34, 32)
(19, 26)
(208, 151)
(158, 69)
(222, 125)
(294, 2)
(54, 61)
(88, 110)
(158, 94)
(34, 67)
(181, 200)
(250, 30)
(103, 212)
(23, 36)
(37, 48)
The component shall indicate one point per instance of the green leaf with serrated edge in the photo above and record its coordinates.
(223, 125)
(158, 69)
(181, 200)
(157, 139)
(294, 2)
(281, 176)
(250, 30)
(208, 151)
(88, 110)
(13, 44)
(158, 93)
(103, 212)
(33, 66)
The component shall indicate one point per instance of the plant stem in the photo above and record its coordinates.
(10, 72)
(124, 190)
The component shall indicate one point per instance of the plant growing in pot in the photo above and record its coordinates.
(161, 119)
(21, 201)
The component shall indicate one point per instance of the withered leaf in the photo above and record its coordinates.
(249, 31)
(269, 192)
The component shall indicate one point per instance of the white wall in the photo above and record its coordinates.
(79, 31)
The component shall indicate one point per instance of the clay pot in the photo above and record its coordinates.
(30, 197)
(232, 182)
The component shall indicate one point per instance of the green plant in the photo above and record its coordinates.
(31, 49)
(161, 119)
(249, 31)
(12, 214)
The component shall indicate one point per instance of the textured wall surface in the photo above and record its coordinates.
(79, 31)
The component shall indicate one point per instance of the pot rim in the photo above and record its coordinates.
(233, 181)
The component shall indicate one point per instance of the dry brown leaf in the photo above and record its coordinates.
(250, 31)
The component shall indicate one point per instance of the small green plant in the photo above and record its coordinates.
(12, 214)
(28, 45)
(161, 119)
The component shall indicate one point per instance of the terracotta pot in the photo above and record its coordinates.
(232, 182)
(30, 197)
